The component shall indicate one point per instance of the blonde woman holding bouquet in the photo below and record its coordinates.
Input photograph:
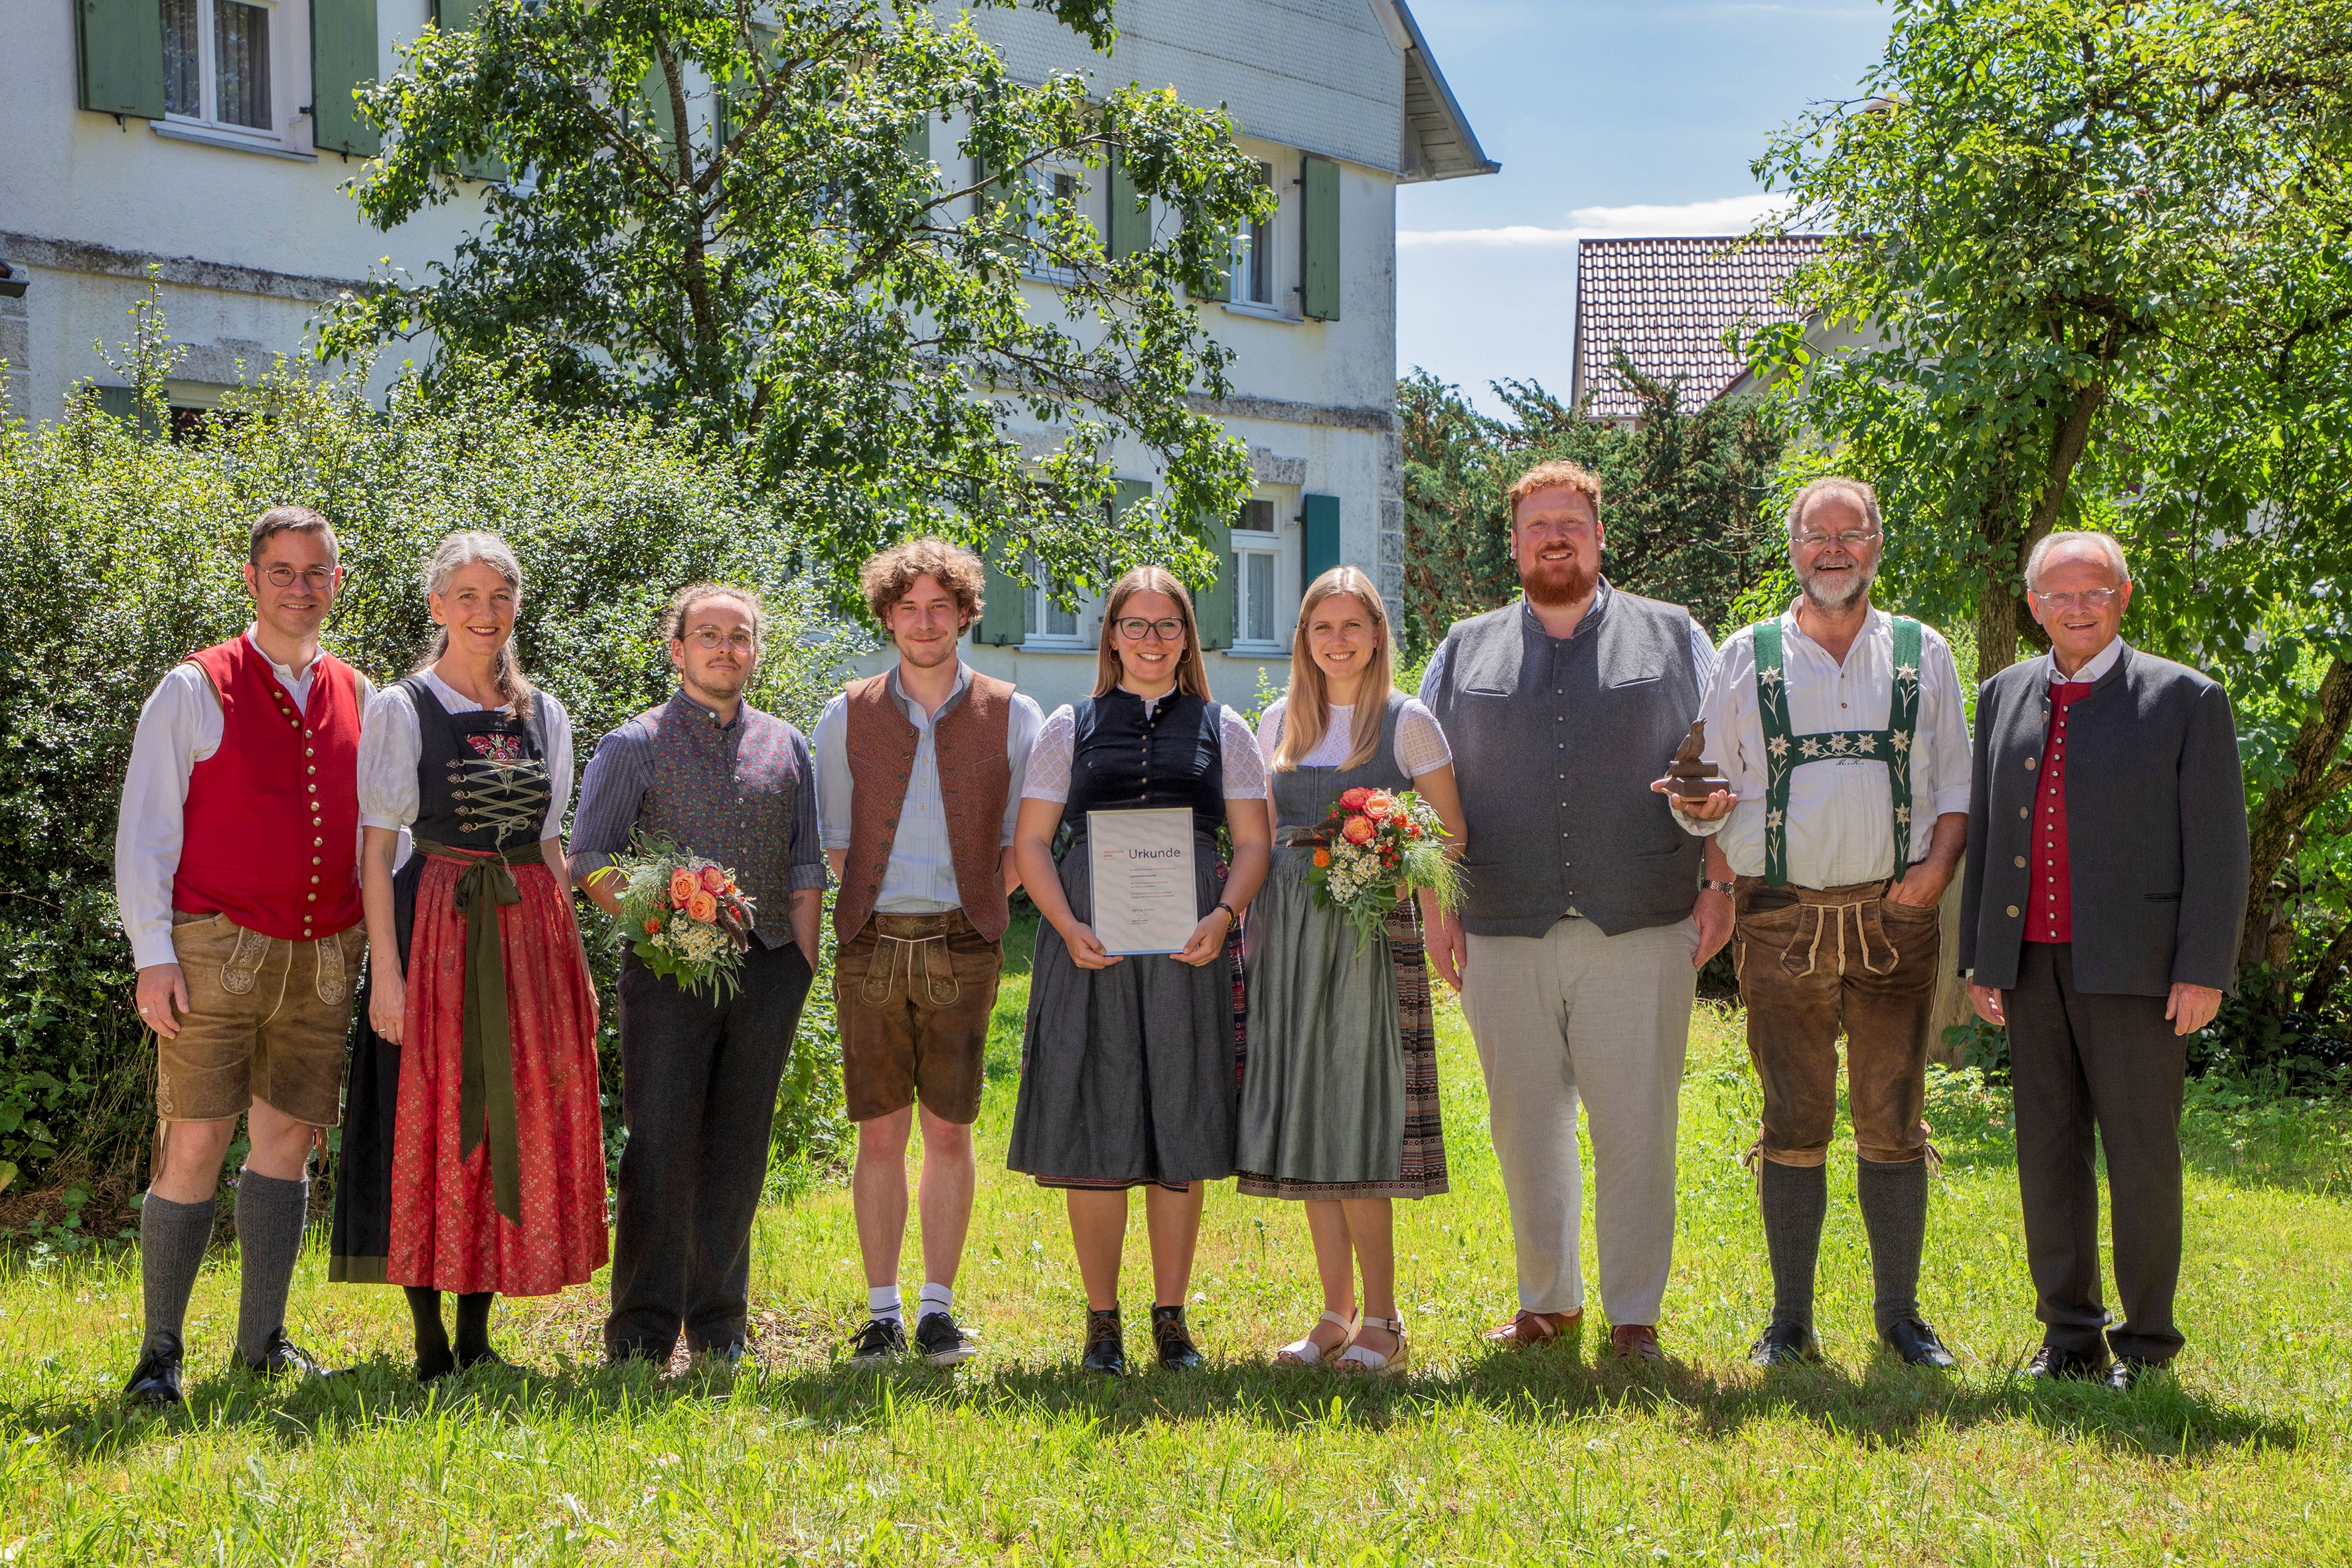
(473, 1156)
(1339, 1090)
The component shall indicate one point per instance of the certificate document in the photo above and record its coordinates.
(1141, 868)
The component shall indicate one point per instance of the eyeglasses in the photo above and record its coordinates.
(710, 640)
(1848, 539)
(2092, 599)
(1135, 628)
(317, 579)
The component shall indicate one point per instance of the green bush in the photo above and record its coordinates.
(121, 555)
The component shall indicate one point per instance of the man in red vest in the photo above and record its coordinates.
(237, 865)
(918, 789)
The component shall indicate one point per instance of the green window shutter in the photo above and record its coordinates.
(1004, 608)
(342, 58)
(918, 140)
(123, 403)
(1130, 230)
(1321, 537)
(1224, 288)
(1214, 606)
(1318, 228)
(121, 45)
(459, 16)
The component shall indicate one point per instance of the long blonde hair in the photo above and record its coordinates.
(453, 555)
(1191, 674)
(1307, 710)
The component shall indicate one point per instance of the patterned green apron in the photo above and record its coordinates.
(1785, 753)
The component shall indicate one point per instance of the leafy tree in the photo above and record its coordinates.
(2036, 203)
(815, 229)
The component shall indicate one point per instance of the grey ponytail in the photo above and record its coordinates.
(474, 548)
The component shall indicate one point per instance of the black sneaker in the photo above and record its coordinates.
(1106, 1346)
(877, 1342)
(156, 1379)
(1785, 1344)
(279, 1356)
(941, 1343)
(1177, 1352)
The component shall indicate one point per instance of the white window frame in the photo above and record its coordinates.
(1044, 176)
(287, 52)
(1037, 602)
(1266, 542)
(1261, 240)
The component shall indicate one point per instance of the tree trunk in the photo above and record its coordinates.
(2001, 608)
(2315, 775)
(2327, 971)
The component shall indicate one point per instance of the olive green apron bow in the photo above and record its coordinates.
(486, 1097)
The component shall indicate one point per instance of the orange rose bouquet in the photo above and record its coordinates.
(1375, 849)
(684, 917)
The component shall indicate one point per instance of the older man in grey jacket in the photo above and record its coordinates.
(1582, 923)
(2099, 922)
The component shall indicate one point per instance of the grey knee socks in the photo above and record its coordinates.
(1795, 1198)
(172, 1239)
(1894, 1212)
(269, 1216)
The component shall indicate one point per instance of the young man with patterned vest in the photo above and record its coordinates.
(1841, 730)
(715, 776)
(2100, 923)
(237, 866)
(917, 770)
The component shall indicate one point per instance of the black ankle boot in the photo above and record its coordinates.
(1105, 1349)
(1176, 1349)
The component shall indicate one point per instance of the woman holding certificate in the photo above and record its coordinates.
(1127, 1072)
(1340, 1104)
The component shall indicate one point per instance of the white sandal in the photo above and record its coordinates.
(1307, 1352)
(1355, 1358)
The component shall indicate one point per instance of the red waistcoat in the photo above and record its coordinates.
(272, 817)
(974, 779)
(2050, 911)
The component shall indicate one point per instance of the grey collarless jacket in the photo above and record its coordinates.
(2156, 827)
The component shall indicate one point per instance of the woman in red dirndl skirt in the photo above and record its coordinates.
(496, 1152)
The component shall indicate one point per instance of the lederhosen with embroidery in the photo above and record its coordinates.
(483, 786)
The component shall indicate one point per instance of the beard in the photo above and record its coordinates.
(719, 686)
(1840, 592)
(1556, 583)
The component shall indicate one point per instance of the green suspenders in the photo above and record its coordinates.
(1785, 753)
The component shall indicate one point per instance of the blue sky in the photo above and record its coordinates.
(1608, 117)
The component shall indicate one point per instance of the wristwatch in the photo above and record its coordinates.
(1233, 915)
(1715, 886)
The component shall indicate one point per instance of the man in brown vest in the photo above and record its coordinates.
(917, 776)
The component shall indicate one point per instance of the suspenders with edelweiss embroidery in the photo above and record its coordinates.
(1785, 753)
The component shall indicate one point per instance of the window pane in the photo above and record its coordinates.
(241, 63)
(183, 87)
(1258, 585)
(1257, 516)
(1061, 623)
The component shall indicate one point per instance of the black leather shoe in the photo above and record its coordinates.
(1916, 1343)
(280, 1356)
(939, 1341)
(2130, 1371)
(2050, 1361)
(1785, 1344)
(730, 1356)
(877, 1342)
(1106, 1346)
(156, 1379)
(1177, 1352)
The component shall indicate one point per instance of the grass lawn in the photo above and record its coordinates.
(1554, 1456)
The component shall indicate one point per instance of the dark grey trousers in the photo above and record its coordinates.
(2078, 1062)
(699, 1096)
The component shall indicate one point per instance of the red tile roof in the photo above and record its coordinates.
(1667, 301)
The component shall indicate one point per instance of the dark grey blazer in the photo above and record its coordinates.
(2156, 827)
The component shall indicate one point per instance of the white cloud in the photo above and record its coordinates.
(1726, 215)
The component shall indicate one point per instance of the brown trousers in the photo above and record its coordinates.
(1811, 961)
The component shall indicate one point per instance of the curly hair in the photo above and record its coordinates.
(1557, 476)
(887, 575)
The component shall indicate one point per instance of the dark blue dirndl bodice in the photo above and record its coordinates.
(1121, 757)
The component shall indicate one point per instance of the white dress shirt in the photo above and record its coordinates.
(919, 878)
(2097, 665)
(1840, 813)
(390, 745)
(179, 727)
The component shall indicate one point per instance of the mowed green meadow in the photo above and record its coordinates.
(1491, 1458)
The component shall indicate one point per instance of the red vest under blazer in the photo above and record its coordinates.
(2049, 917)
(975, 777)
(272, 818)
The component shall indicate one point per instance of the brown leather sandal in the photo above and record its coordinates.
(1529, 1327)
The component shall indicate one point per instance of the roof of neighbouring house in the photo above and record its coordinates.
(1667, 302)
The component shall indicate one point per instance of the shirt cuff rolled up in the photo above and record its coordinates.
(1951, 800)
(805, 877)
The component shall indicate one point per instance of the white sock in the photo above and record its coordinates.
(882, 1302)
(936, 1298)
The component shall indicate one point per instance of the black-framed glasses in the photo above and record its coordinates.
(317, 579)
(2092, 599)
(1135, 628)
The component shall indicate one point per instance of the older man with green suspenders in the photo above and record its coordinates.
(1841, 730)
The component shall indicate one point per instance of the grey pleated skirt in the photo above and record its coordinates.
(1340, 1095)
(1127, 1073)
